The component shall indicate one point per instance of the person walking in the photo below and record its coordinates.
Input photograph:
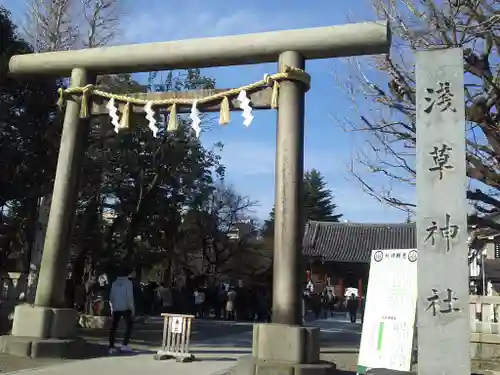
(230, 304)
(199, 302)
(165, 296)
(221, 301)
(138, 295)
(352, 307)
(363, 304)
(330, 297)
(121, 299)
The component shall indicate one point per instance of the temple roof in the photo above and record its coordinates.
(353, 242)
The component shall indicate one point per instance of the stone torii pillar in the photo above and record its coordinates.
(283, 341)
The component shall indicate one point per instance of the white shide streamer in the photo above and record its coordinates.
(113, 113)
(245, 106)
(150, 116)
(195, 118)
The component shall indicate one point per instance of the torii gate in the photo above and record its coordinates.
(291, 48)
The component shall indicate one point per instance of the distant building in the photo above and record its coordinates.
(240, 230)
(484, 259)
(338, 254)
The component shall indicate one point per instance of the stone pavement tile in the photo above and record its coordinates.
(346, 359)
(9, 363)
(211, 362)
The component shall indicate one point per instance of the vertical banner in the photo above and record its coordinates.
(443, 274)
(388, 325)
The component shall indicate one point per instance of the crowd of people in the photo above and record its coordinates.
(326, 303)
(220, 301)
(127, 298)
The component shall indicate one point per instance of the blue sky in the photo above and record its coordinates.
(249, 152)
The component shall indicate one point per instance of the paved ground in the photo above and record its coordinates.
(149, 335)
(217, 345)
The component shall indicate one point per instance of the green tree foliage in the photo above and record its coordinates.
(28, 130)
(268, 227)
(140, 186)
(318, 199)
(154, 203)
(32, 127)
(318, 202)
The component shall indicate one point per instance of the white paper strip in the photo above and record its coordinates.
(113, 113)
(245, 106)
(150, 116)
(195, 118)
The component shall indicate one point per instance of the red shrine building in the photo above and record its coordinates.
(338, 255)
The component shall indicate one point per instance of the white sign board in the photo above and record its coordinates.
(177, 324)
(389, 316)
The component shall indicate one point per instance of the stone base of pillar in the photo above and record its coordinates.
(44, 322)
(34, 347)
(41, 332)
(284, 350)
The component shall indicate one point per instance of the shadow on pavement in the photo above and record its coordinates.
(340, 351)
(150, 334)
(221, 351)
(216, 359)
(97, 350)
(343, 372)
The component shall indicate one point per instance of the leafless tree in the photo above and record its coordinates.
(58, 25)
(206, 231)
(102, 22)
(382, 90)
(49, 25)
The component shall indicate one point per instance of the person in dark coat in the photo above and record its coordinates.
(352, 307)
(137, 293)
(316, 304)
(363, 304)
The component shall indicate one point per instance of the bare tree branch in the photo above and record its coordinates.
(386, 119)
(58, 25)
(50, 25)
(102, 21)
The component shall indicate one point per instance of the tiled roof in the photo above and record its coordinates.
(353, 242)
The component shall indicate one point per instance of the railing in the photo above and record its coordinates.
(176, 338)
(485, 327)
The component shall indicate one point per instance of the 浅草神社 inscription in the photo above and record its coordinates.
(436, 303)
(443, 275)
(448, 232)
(441, 159)
(441, 97)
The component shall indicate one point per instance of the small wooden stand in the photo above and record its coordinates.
(176, 337)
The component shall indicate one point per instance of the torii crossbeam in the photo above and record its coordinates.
(287, 341)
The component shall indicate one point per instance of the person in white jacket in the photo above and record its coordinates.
(121, 299)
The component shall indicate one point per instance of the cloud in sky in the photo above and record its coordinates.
(249, 153)
(161, 21)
